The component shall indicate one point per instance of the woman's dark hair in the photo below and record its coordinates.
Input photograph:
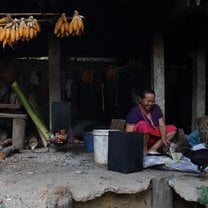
(146, 91)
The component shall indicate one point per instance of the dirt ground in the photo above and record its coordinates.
(27, 178)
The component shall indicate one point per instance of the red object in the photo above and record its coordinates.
(145, 127)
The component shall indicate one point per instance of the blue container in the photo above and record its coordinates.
(88, 142)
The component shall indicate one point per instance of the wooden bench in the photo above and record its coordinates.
(18, 128)
(9, 106)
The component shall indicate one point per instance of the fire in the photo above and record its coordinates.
(61, 136)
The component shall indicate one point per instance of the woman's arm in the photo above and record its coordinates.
(130, 127)
(162, 127)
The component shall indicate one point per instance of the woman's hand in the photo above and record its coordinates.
(130, 127)
(165, 141)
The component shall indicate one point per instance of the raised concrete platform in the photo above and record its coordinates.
(29, 178)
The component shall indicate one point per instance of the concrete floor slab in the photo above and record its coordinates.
(27, 178)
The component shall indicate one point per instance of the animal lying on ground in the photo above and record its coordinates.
(199, 158)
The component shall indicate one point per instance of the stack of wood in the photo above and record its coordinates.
(6, 148)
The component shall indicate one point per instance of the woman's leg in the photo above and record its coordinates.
(159, 143)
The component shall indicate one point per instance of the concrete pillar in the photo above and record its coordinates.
(158, 70)
(54, 71)
(198, 86)
(162, 195)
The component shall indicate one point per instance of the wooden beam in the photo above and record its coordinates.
(54, 54)
(13, 115)
(199, 86)
(9, 106)
(30, 14)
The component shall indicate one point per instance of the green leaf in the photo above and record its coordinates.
(203, 195)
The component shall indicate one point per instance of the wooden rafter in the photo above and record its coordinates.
(30, 14)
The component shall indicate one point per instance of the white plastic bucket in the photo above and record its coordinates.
(100, 137)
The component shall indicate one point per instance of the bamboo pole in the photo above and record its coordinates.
(43, 130)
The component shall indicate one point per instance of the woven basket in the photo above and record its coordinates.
(202, 123)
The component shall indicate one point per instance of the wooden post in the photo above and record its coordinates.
(161, 193)
(18, 133)
(198, 86)
(54, 71)
(61, 197)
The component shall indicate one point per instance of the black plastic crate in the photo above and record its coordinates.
(61, 115)
(125, 151)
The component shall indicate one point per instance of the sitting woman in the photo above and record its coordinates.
(147, 118)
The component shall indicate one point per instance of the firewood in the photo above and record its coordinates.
(7, 151)
(32, 141)
(7, 142)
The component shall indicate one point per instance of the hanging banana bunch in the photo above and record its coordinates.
(18, 29)
(64, 28)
